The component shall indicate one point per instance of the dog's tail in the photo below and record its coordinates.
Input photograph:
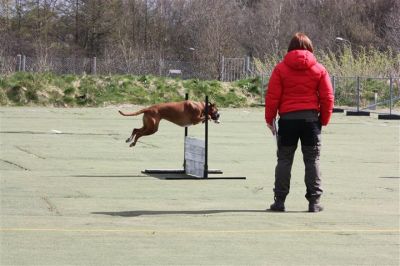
(133, 113)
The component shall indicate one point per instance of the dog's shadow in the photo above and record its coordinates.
(200, 212)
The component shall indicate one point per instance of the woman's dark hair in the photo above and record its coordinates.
(300, 41)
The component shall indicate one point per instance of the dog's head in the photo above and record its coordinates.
(213, 112)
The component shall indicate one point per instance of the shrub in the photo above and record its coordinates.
(16, 94)
(251, 85)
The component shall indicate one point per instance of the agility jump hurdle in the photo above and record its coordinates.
(195, 162)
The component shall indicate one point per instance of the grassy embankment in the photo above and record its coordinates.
(46, 89)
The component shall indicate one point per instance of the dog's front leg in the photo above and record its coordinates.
(203, 118)
(198, 119)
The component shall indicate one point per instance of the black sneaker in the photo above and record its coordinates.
(315, 207)
(278, 206)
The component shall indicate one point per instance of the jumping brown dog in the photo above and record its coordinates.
(183, 114)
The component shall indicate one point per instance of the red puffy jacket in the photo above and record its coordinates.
(298, 83)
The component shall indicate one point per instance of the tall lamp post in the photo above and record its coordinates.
(340, 39)
(335, 109)
(356, 112)
(193, 50)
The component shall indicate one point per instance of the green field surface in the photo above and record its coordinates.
(72, 193)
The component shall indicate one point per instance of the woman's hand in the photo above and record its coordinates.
(272, 128)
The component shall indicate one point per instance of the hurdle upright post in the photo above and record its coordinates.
(205, 175)
(186, 134)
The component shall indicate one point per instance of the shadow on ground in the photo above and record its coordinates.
(189, 177)
(202, 212)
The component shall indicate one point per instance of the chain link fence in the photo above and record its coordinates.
(237, 68)
(380, 94)
(110, 66)
(228, 69)
(367, 93)
(359, 93)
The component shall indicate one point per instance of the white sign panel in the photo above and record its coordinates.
(194, 156)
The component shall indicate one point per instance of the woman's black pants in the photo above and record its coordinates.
(309, 133)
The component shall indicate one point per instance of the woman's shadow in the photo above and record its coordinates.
(202, 212)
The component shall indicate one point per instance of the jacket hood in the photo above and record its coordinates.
(300, 59)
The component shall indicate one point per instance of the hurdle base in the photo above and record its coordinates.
(389, 117)
(163, 171)
(176, 171)
(357, 113)
(338, 110)
(188, 177)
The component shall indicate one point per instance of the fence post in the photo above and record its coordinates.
(222, 68)
(247, 66)
(375, 100)
(358, 93)
(244, 69)
(391, 94)
(24, 63)
(94, 66)
(358, 112)
(19, 62)
(160, 66)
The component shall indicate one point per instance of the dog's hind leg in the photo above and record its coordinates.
(150, 127)
(140, 133)
(137, 130)
(134, 132)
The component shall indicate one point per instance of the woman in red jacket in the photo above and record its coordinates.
(300, 91)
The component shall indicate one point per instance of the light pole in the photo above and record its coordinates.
(346, 43)
(358, 89)
(340, 39)
(192, 50)
(335, 109)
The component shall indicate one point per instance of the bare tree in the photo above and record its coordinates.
(192, 30)
(392, 26)
(212, 30)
